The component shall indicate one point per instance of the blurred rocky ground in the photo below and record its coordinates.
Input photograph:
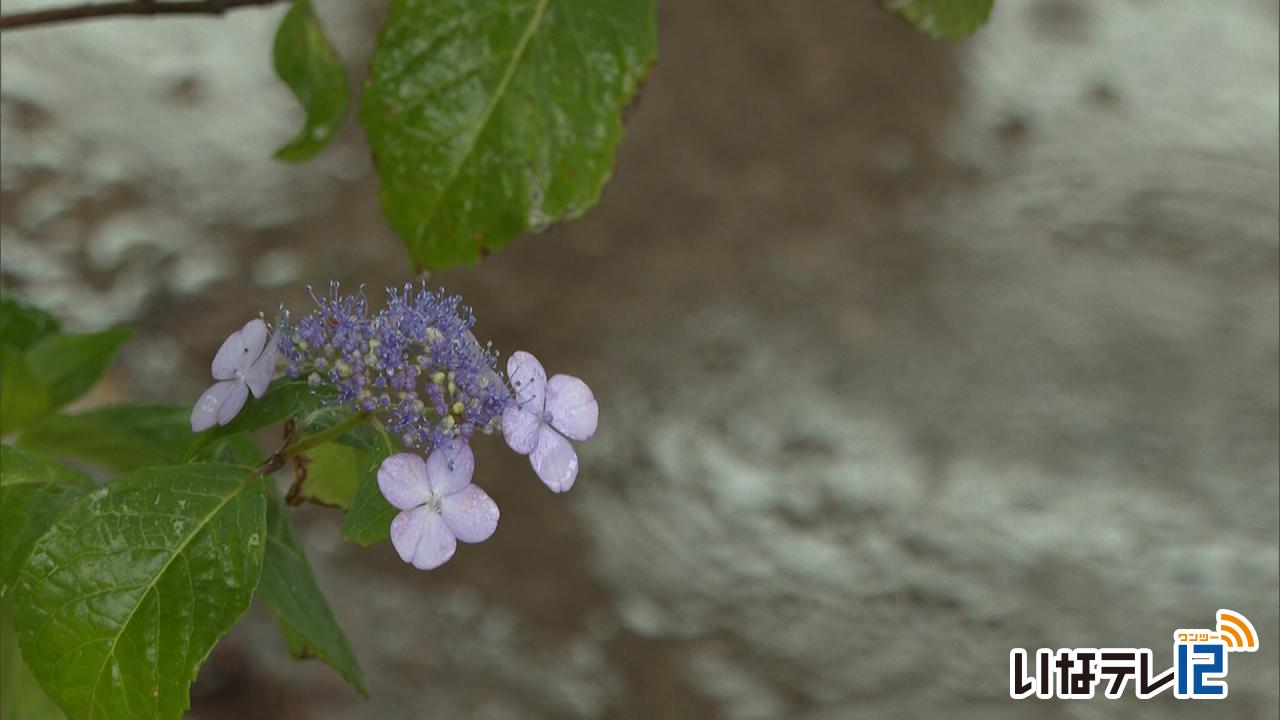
(908, 353)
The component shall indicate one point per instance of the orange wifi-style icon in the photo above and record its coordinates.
(1237, 632)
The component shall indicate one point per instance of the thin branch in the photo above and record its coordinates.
(50, 16)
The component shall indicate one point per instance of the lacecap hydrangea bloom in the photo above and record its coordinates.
(415, 366)
(415, 363)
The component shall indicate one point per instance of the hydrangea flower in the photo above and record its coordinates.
(544, 414)
(416, 362)
(438, 504)
(245, 363)
(416, 367)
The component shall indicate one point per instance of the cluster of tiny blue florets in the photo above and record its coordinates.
(415, 362)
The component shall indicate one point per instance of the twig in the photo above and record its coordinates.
(291, 452)
(294, 496)
(34, 18)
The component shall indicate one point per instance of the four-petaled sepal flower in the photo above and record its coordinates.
(544, 413)
(439, 505)
(245, 363)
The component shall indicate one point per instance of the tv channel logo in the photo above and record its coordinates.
(1199, 671)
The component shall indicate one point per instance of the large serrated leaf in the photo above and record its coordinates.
(289, 589)
(489, 119)
(33, 491)
(121, 601)
(306, 62)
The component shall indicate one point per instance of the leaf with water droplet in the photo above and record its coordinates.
(117, 610)
(308, 64)
(488, 120)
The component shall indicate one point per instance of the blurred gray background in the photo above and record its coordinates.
(908, 353)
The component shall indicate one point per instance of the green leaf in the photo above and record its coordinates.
(238, 449)
(295, 643)
(21, 324)
(33, 491)
(22, 398)
(123, 599)
(333, 472)
(127, 437)
(289, 589)
(121, 437)
(285, 398)
(369, 518)
(946, 19)
(20, 695)
(363, 436)
(489, 119)
(68, 365)
(306, 62)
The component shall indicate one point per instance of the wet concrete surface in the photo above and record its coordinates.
(908, 354)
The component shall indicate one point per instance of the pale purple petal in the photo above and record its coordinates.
(572, 407)
(520, 428)
(437, 543)
(422, 539)
(554, 460)
(255, 334)
(528, 379)
(239, 350)
(234, 402)
(450, 467)
(259, 374)
(406, 531)
(470, 513)
(402, 478)
(205, 413)
(230, 357)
